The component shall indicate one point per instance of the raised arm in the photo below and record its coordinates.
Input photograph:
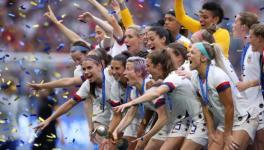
(111, 19)
(64, 82)
(87, 16)
(125, 14)
(185, 20)
(72, 36)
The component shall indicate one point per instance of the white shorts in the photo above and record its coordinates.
(163, 133)
(261, 121)
(100, 116)
(131, 130)
(198, 131)
(249, 125)
(180, 128)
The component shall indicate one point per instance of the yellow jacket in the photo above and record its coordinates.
(126, 17)
(221, 35)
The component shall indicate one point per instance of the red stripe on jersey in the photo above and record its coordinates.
(77, 98)
(170, 85)
(113, 103)
(159, 102)
(221, 87)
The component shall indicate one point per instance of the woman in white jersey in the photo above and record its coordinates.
(182, 103)
(223, 106)
(120, 92)
(97, 86)
(137, 77)
(250, 69)
(76, 80)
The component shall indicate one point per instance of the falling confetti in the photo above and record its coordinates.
(52, 136)
(60, 47)
(157, 5)
(22, 7)
(141, 6)
(2, 121)
(37, 71)
(37, 145)
(17, 98)
(27, 26)
(41, 119)
(11, 15)
(33, 3)
(2, 140)
(14, 130)
(56, 75)
(35, 26)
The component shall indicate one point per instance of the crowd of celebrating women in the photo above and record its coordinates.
(160, 87)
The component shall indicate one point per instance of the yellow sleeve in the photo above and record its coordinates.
(126, 17)
(222, 38)
(186, 21)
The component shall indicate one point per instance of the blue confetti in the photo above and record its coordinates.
(157, 5)
(226, 18)
(22, 7)
(33, 115)
(262, 8)
(11, 15)
(47, 48)
(60, 47)
(22, 142)
(27, 72)
(112, 12)
(37, 71)
(25, 115)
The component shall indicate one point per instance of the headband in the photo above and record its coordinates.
(79, 48)
(202, 49)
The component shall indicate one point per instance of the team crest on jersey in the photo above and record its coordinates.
(249, 59)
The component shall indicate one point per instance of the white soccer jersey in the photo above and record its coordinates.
(182, 94)
(98, 114)
(218, 81)
(78, 71)
(118, 94)
(117, 48)
(251, 71)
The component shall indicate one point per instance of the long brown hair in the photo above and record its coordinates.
(164, 59)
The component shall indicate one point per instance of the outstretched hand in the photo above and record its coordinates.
(35, 86)
(50, 14)
(122, 107)
(41, 126)
(86, 17)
